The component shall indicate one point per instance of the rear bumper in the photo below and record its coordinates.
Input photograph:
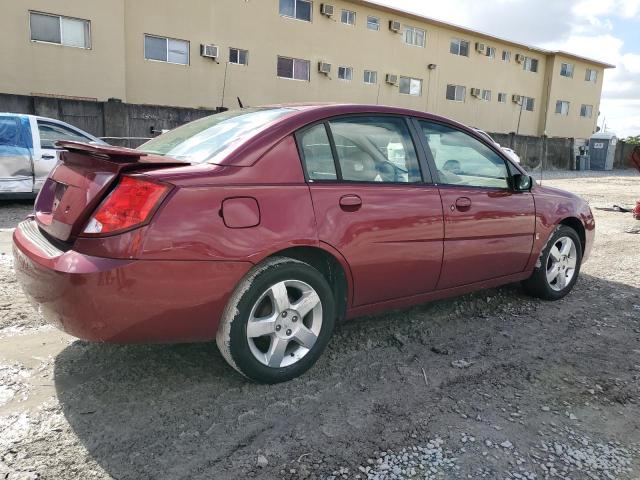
(123, 301)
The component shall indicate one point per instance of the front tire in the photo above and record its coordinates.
(559, 267)
(278, 321)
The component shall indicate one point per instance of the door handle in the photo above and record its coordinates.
(350, 203)
(48, 157)
(462, 204)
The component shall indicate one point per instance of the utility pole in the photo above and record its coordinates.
(521, 103)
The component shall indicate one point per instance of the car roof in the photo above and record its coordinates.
(304, 114)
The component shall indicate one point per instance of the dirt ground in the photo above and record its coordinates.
(493, 385)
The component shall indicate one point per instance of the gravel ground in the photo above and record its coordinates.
(492, 385)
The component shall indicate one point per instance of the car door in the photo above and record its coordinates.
(489, 228)
(16, 172)
(46, 154)
(372, 205)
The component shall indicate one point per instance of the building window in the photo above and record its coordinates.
(502, 98)
(238, 56)
(299, 9)
(586, 111)
(373, 23)
(168, 50)
(591, 76)
(562, 108)
(566, 70)
(506, 56)
(345, 73)
(530, 64)
(490, 52)
(486, 95)
(70, 32)
(414, 36)
(370, 77)
(528, 104)
(459, 47)
(410, 86)
(294, 68)
(456, 93)
(348, 17)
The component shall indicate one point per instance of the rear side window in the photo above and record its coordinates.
(51, 133)
(369, 149)
(316, 150)
(462, 160)
(8, 131)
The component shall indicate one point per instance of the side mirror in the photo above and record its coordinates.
(522, 183)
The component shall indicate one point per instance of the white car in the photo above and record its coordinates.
(28, 151)
(508, 151)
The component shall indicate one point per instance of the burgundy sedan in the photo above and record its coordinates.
(263, 227)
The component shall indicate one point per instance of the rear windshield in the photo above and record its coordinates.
(211, 138)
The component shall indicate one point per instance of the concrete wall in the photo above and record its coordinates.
(105, 119)
(623, 155)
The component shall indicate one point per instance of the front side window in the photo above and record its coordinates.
(459, 47)
(298, 9)
(370, 77)
(530, 64)
(502, 98)
(168, 50)
(506, 56)
(410, 86)
(345, 73)
(562, 108)
(348, 17)
(566, 70)
(317, 155)
(591, 76)
(486, 95)
(210, 139)
(71, 32)
(414, 36)
(586, 111)
(238, 56)
(456, 93)
(375, 149)
(294, 68)
(463, 160)
(373, 23)
(528, 104)
(50, 133)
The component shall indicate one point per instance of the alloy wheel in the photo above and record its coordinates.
(561, 263)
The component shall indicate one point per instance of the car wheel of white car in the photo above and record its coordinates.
(278, 321)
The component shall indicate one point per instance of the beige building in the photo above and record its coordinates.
(273, 51)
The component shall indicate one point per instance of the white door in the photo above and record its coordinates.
(46, 154)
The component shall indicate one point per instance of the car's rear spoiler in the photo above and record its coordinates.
(114, 154)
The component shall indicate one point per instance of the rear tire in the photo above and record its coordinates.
(278, 321)
(559, 267)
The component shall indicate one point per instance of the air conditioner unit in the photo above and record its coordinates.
(209, 51)
(475, 92)
(519, 58)
(326, 9)
(395, 26)
(480, 47)
(516, 98)
(392, 79)
(324, 67)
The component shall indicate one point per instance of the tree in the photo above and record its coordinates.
(633, 140)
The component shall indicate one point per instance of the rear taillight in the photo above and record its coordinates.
(130, 204)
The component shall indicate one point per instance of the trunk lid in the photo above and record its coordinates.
(84, 176)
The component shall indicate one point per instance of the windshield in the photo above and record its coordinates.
(211, 138)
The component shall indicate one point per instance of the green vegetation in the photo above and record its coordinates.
(633, 140)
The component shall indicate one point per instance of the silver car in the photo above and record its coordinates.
(28, 151)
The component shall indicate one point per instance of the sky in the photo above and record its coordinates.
(606, 30)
